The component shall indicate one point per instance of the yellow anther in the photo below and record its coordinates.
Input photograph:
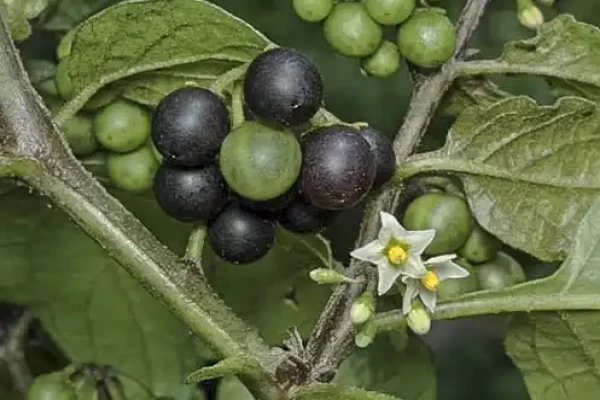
(430, 281)
(397, 255)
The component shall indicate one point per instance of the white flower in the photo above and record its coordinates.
(438, 270)
(396, 252)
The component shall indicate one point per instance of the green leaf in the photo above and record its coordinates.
(530, 172)
(558, 354)
(407, 373)
(228, 366)
(469, 92)
(562, 88)
(92, 308)
(133, 37)
(324, 391)
(276, 292)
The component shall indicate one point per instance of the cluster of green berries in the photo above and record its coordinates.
(425, 36)
(240, 181)
(457, 232)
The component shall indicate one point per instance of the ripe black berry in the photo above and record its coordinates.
(190, 194)
(239, 236)
(302, 217)
(189, 126)
(338, 167)
(383, 153)
(283, 86)
(269, 208)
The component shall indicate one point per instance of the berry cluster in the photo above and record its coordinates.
(426, 37)
(456, 232)
(242, 180)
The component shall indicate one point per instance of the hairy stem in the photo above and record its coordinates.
(33, 150)
(331, 340)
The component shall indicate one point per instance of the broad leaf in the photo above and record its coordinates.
(116, 43)
(469, 92)
(382, 367)
(562, 88)
(530, 172)
(92, 308)
(558, 354)
(323, 391)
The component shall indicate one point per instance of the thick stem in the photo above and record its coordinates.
(35, 151)
(332, 338)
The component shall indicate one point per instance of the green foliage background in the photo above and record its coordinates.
(470, 361)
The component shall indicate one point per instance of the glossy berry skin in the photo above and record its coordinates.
(188, 194)
(383, 154)
(427, 39)
(283, 86)
(338, 167)
(260, 162)
(268, 208)
(480, 246)
(122, 126)
(50, 386)
(133, 171)
(351, 31)
(312, 10)
(501, 272)
(384, 62)
(189, 126)
(390, 12)
(448, 214)
(241, 237)
(301, 217)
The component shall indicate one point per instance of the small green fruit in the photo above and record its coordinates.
(259, 162)
(122, 126)
(385, 62)
(312, 10)
(502, 272)
(52, 386)
(427, 39)
(64, 46)
(480, 246)
(448, 214)
(63, 80)
(80, 135)
(133, 171)
(351, 31)
(390, 12)
(452, 288)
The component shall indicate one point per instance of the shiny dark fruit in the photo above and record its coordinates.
(240, 236)
(301, 217)
(383, 153)
(189, 126)
(283, 86)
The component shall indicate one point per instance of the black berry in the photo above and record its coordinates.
(383, 153)
(189, 126)
(283, 86)
(190, 194)
(302, 217)
(269, 208)
(338, 167)
(239, 236)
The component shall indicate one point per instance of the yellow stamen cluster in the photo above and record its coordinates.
(397, 255)
(430, 281)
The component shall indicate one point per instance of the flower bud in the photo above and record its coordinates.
(418, 319)
(366, 335)
(326, 276)
(363, 308)
(531, 17)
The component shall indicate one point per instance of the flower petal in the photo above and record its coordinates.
(413, 267)
(387, 277)
(390, 227)
(411, 292)
(372, 252)
(419, 240)
(440, 259)
(428, 298)
(449, 270)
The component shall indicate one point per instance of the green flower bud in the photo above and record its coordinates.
(363, 308)
(418, 319)
(326, 276)
(366, 335)
(531, 17)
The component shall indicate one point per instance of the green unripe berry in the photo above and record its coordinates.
(480, 246)
(133, 171)
(101, 99)
(80, 135)
(259, 162)
(63, 49)
(390, 12)
(499, 273)
(122, 126)
(351, 31)
(63, 80)
(312, 10)
(52, 386)
(452, 288)
(448, 214)
(385, 62)
(427, 39)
